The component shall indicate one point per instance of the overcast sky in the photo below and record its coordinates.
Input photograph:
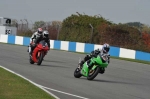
(49, 10)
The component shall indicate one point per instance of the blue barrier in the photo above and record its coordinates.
(79, 47)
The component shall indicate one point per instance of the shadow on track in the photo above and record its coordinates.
(109, 81)
(54, 61)
(57, 66)
(117, 82)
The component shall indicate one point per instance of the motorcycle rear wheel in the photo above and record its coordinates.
(31, 61)
(77, 73)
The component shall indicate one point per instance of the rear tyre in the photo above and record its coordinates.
(31, 61)
(94, 73)
(77, 73)
(40, 59)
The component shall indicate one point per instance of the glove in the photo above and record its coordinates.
(95, 55)
(97, 52)
(92, 55)
(34, 44)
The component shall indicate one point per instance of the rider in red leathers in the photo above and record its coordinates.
(37, 37)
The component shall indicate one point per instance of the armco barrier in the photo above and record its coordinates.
(79, 47)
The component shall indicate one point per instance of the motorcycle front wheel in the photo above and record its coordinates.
(40, 58)
(93, 73)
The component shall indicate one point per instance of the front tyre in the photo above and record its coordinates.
(77, 73)
(40, 59)
(93, 73)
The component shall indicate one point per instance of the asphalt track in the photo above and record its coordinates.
(122, 79)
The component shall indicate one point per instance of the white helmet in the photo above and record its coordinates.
(106, 48)
(45, 34)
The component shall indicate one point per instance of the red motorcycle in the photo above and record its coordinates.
(39, 53)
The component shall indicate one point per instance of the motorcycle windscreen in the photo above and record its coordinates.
(42, 44)
(102, 61)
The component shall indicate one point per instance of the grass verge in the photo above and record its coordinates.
(15, 87)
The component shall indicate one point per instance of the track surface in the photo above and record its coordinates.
(122, 79)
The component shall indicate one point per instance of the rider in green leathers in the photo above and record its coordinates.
(105, 50)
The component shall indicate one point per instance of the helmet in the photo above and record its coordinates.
(40, 30)
(45, 34)
(105, 48)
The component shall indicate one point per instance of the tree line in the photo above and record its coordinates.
(97, 30)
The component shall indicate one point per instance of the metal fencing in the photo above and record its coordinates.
(26, 28)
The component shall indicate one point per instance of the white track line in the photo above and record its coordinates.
(64, 92)
(29, 81)
(42, 87)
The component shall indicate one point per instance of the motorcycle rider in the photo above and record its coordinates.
(46, 38)
(105, 50)
(37, 37)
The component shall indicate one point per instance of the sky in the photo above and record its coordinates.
(117, 11)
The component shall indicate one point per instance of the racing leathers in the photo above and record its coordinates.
(93, 54)
(35, 39)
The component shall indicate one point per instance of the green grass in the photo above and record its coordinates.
(15, 87)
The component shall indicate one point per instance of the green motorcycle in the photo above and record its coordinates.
(100, 62)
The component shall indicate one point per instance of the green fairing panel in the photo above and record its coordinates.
(99, 62)
(85, 70)
(96, 60)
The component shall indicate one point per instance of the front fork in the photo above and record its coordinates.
(44, 53)
(38, 54)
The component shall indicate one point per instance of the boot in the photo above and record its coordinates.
(31, 50)
(30, 53)
(80, 65)
(102, 70)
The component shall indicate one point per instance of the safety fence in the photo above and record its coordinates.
(78, 47)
